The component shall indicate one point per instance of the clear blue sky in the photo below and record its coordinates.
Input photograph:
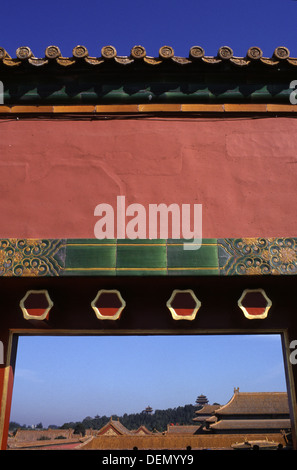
(123, 24)
(141, 371)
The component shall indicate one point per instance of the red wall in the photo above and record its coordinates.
(54, 173)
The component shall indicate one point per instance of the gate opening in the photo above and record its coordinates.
(62, 382)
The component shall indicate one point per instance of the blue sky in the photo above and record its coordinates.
(140, 371)
(123, 24)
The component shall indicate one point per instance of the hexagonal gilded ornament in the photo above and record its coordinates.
(254, 303)
(36, 305)
(108, 304)
(183, 304)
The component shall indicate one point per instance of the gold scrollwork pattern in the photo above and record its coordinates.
(31, 257)
(258, 256)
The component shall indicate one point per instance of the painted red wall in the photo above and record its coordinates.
(54, 173)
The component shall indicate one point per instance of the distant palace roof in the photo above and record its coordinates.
(260, 403)
(205, 412)
(116, 428)
(251, 424)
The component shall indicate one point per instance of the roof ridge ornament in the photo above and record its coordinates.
(166, 52)
(225, 53)
(80, 52)
(24, 53)
(108, 52)
(138, 52)
(281, 53)
(254, 53)
(4, 54)
(196, 52)
(52, 52)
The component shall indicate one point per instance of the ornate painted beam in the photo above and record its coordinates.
(92, 257)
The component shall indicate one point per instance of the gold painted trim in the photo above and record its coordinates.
(246, 313)
(97, 311)
(141, 269)
(144, 331)
(90, 269)
(175, 316)
(91, 244)
(183, 108)
(26, 315)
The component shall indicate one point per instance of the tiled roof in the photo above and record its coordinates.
(141, 430)
(114, 425)
(260, 403)
(251, 424)
(182, 429)
(196, 55)
(207, 409)
(139, 79)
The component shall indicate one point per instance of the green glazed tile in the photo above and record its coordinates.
(89, 272)
(91, 257)
(201, 261)
(145, 255)
(141, 272)
(193, 272)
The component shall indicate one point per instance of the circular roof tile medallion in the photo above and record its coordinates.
(24, 52)
(3, 53)
(80, 52)
(138, 52)
(254, 303)
(36, 305)
(197, 52)
(108, 52)
(52, 52)
(166, 52)
(108, 304)
(281, 53)
(225, 53)
(183, 304)
(254, 53)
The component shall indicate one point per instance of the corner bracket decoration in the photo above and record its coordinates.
(254, 303)
(108, 304)
(36, 305)
(183, 304)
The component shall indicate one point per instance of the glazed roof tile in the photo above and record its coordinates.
(207, 409)
(255, 403)
(118, 427)
(111, 79)
(252, 424)
(138, 53)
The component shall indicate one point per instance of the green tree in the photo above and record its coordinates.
(79, 429)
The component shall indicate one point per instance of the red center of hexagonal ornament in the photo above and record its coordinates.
(183, 304)
(108, 304)
(36, 304)
(254, 303)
